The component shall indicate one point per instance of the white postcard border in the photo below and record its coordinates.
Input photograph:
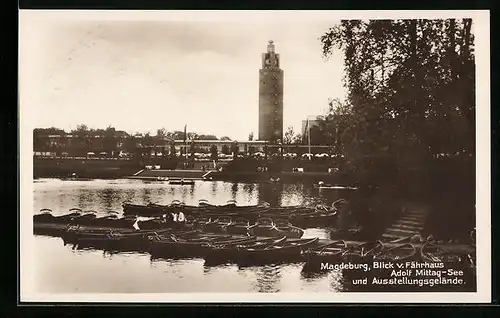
(27, 291)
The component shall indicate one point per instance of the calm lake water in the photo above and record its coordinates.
(60, 269)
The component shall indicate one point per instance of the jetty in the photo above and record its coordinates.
(411, 222)
(163, 174)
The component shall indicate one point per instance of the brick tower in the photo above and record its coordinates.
(270, 96)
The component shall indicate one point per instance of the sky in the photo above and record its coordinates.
(146, 74)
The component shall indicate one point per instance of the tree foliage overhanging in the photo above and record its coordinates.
(411, 91)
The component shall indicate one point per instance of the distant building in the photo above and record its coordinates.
(205, 145)
(313, 122)
(76, 146)
(270, 96)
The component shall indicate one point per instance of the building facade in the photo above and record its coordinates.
(270, 96)
(310, 122)
(77, 146)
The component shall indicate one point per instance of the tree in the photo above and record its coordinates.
(109, 140)
(297, 139)
(225, 138)
(81, 130)
(148, 144)
(289, 136)
(161, 133)
(213, 152)
(251, 150)
(178, 135)
(408, 81)
(173, 152)
(49, 131)
(192, 149)
(266, 151)
(40, 133)
(207, 137)
(235, 149)
(192, 135)
(148, 140)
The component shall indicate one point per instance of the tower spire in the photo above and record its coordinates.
(270, 46)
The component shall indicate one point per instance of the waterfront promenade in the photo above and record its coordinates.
(159, 174)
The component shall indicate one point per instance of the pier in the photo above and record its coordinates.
(158, 174)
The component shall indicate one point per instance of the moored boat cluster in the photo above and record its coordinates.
(222, 234)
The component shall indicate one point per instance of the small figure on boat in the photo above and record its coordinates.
(136, 224)
(181, 218)
(174, 217)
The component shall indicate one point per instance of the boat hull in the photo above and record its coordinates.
(322, 220)
(232, 253)
(194, 246)
(276, 253)
(237, 229)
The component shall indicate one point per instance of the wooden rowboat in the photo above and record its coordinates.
(363, 252)
(217, 253)
(288, 229)
(144, 210)
(318, 219)
(239, 226)
(285, 250)
(432, 253)
(119, 240)
(46, 216)
(188, 246)
(329, 253)
(397, 253)
(218, 226)
(268, 228)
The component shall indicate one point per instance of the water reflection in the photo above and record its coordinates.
(191, 191)
(234, 190)
(270, 193)
(105, 196)
(268, 277)
(138, 272)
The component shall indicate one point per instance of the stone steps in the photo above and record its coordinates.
(401, 233)
(409, 224)
(390, 237)
(413, 218)
(406, 227)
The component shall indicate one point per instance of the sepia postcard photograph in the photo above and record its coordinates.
(254, 156)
